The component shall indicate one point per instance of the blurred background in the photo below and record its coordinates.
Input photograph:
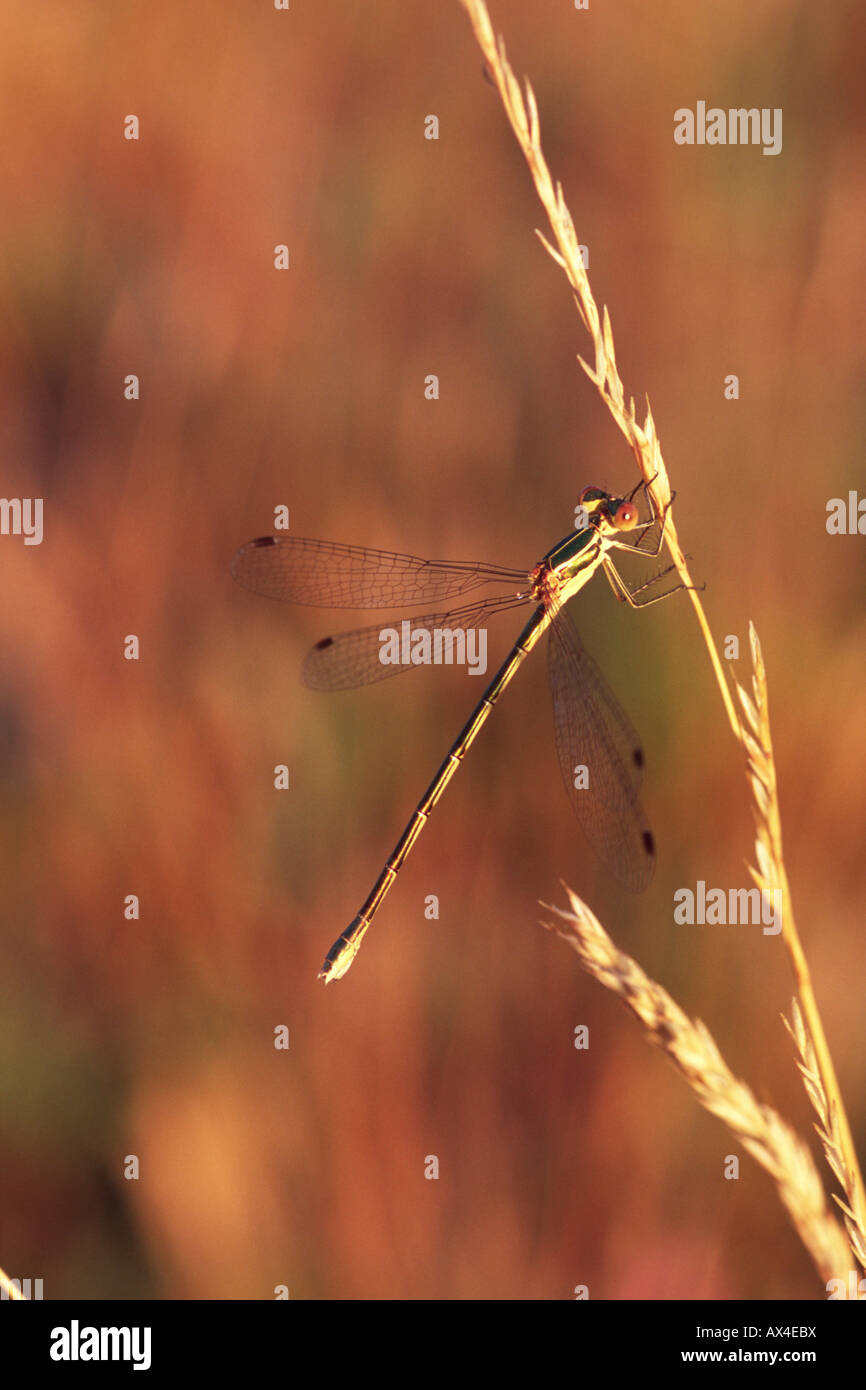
(306, 389)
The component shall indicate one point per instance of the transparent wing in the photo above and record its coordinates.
(592, 731)
(351, 659)
(329, 575)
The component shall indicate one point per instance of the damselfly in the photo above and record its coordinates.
(599, 753)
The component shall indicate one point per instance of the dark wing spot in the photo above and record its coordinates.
(325, 642)
(649, 843)
(261, 541)
(637, 757)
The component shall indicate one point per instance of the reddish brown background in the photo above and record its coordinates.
(408, 257)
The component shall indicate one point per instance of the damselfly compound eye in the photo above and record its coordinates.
(625, 516)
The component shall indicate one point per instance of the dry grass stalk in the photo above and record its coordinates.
(828, 1130)
(816, 1064)
(753, 733)
(690, 1047)
(523, 115)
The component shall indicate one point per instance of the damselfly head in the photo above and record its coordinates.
(592, 498)
(618, 512)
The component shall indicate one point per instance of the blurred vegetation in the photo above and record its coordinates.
(154, 777)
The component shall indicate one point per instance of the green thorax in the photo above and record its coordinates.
(572, 554)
